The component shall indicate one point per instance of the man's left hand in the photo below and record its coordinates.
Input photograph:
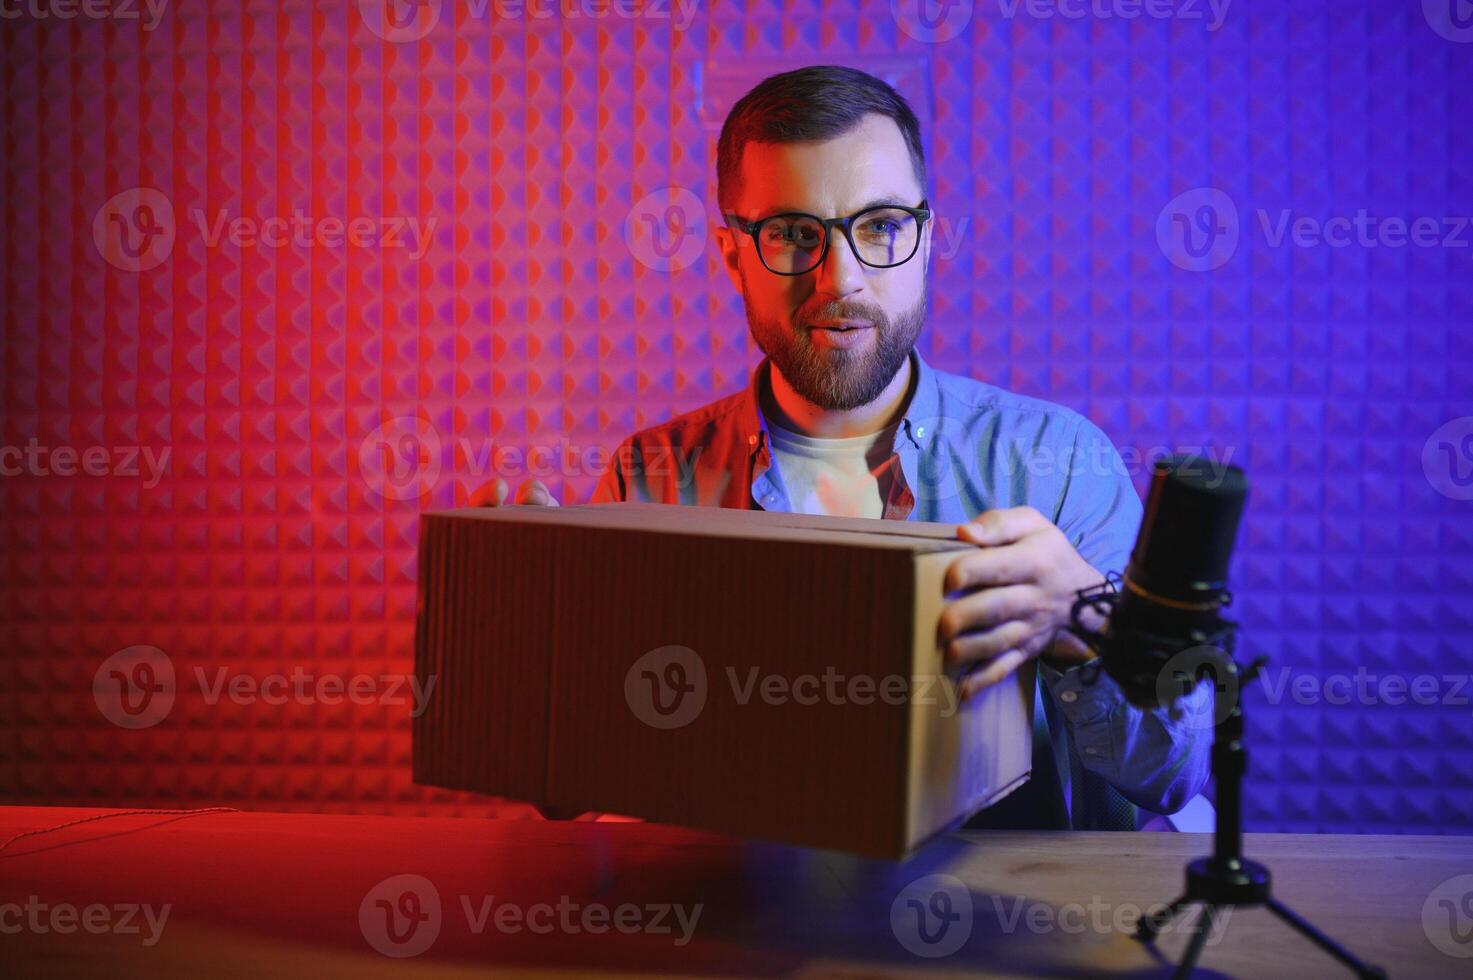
(1018, 590)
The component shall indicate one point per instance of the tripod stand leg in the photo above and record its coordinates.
(1151, 923)
(1364, 970)
(1194, 948)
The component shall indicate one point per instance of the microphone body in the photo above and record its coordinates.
(1175, 584)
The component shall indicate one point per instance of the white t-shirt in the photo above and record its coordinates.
(832, 476)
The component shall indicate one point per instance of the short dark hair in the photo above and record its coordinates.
(809, 104)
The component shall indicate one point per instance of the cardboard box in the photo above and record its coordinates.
(759, 674)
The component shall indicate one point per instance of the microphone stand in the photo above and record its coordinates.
(1226, 879)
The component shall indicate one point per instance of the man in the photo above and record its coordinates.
(821, 177)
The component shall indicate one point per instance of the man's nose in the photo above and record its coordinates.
(841, 273)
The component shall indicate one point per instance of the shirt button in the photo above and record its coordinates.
(920, 430)
(1091, 750)
(1069, 697)
(751, 440)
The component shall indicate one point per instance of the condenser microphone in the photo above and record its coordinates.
(1167, 605)
(1170, 596)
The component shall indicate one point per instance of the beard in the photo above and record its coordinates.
(836, 379)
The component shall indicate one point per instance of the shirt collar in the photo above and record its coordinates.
(753, 424)
(921, 412)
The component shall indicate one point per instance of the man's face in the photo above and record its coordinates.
(838, 333)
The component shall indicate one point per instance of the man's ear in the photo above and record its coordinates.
(730, 241)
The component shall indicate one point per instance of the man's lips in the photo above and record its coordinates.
(840, 334)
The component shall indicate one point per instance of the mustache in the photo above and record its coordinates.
(844, 311)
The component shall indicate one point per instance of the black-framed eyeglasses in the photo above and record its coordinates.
(793, 242)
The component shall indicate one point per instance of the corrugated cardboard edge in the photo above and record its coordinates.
(729, 522)
(439, 754)
(1001, 716)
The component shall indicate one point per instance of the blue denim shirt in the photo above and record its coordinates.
(964, 447)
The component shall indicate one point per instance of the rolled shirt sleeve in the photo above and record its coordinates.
(1158, 758)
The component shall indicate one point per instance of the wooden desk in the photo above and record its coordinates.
(263, 894)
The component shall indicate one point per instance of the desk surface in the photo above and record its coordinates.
(268, 894)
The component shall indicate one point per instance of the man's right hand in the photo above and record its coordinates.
(495, 493)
